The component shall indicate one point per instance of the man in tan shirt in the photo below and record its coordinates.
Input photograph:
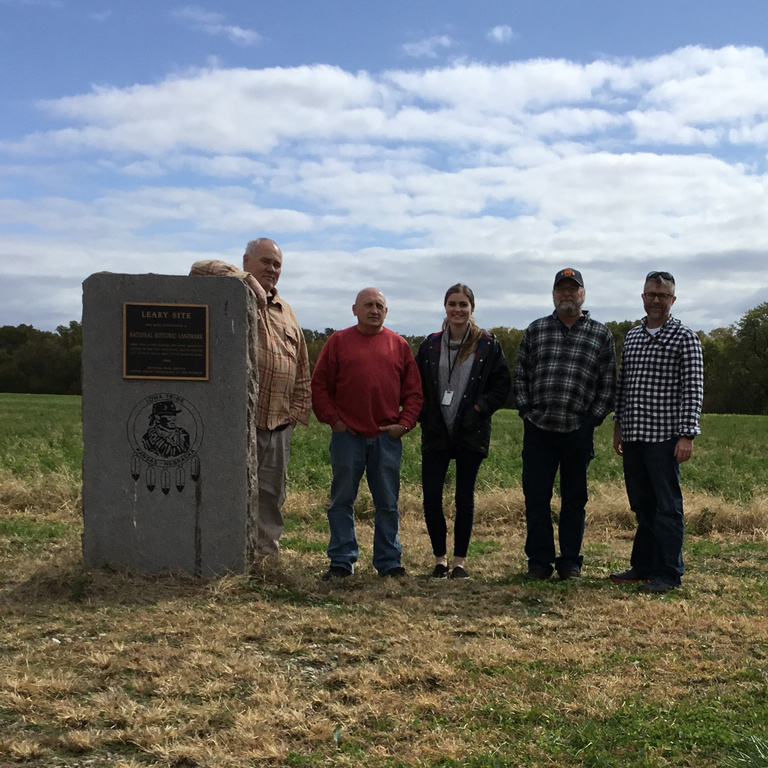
(284, 384)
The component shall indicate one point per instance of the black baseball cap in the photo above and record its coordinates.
(570, 274)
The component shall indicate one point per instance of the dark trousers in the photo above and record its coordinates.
(652, 477)
(434, 466)
(543, 453)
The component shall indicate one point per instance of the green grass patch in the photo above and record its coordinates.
(752, 752)
(479, 547)
(40, 434)
(43, 434)
(32, 531)
(19, 535)
(300, 544)
(643, 733)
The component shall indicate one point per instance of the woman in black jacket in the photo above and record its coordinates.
(465, 379)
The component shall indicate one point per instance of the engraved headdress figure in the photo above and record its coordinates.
(163, 437)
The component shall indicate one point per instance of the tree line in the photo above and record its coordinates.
(735, 359)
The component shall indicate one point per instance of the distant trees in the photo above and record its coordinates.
(509, 339)
(619, 331)
(736, 365)
(735, 359)
(315, 342)
(41, 362)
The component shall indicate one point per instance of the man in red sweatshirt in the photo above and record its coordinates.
(367, 387)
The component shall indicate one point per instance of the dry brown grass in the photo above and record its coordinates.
(104, 668)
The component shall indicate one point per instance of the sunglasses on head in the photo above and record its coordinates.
(662, 275)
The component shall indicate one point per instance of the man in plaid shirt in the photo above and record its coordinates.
(285, 398)
(565, 381)
(658, 403)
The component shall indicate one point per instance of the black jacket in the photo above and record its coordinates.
(488, 387)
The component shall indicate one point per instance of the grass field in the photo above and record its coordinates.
(102, 668)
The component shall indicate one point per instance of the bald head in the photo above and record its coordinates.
(370, 309)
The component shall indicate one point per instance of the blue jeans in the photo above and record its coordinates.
(434, 467)
(379, 457)
(543, 453)
(652, 478)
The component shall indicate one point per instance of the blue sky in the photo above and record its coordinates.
(407, 145)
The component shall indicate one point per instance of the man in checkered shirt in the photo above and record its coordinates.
(658, 404)
(284, 395)
(565, 381)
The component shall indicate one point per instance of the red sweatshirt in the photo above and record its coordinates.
(365, 379)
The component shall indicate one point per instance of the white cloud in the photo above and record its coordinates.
(187, 213)
(217, 109)
(495, 175)
(213, 24)
(428, 47)
(231, 110)
(501, 33)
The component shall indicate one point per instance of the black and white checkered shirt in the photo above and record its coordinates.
(661, 383)
(565, 376)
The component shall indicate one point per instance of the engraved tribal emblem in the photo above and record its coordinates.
(165, 432)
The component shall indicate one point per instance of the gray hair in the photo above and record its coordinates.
(661, 278)
(254, 244)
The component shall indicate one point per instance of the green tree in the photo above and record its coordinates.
(509, 339)
(414, 342)
(721, 380)
(751, 356)
(70, 364)
(41, 362)
(736, 365)
(735, 359)
(315, 342)
(619, 330)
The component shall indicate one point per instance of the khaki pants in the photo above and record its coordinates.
(274, 450)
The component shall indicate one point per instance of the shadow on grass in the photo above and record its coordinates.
(70, 581)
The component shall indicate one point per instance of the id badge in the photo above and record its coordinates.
(447, 397)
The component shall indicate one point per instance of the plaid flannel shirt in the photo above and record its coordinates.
(661, 383)
(282, 360)
(565, 376)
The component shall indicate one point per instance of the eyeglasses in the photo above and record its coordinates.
(650, 295)
(663, 275)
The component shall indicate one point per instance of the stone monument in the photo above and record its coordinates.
(170, 385)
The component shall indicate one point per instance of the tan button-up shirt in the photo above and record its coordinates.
(284, 383)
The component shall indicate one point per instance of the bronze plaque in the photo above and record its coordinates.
(165, 341)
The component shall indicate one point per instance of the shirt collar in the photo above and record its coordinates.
(669, 321)
(583, 319)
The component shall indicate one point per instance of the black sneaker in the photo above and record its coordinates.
(538, 572)
(393, 573)
(657, 587)
(569, 574)
(459, 573)
(440, 572)
(630, 576)
(336, 572)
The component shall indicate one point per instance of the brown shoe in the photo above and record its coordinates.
(569, 574)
